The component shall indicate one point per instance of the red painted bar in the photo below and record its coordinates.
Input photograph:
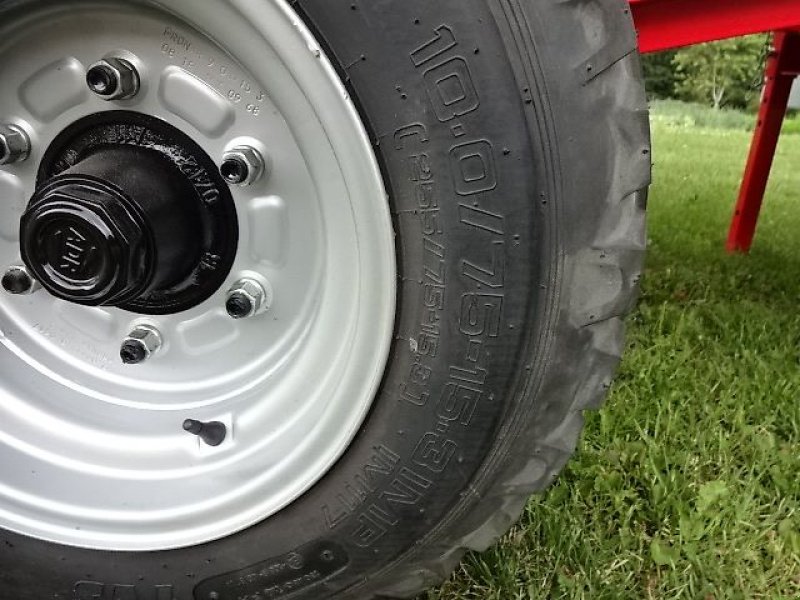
(782, 66)
(666, 24)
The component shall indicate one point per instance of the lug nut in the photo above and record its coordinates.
(140, 345)
(113, 79)
(17, 280)
(242, 165)
(213, 433)
(246, 298)
(15, 145)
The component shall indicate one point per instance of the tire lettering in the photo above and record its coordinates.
(373, 525)
(473, 169)
(93, 590)
(444, 41)
(418, 379)
(434, 452)
(451, 90)
(368, 513)
(382, 464)
(433, 261)
(417, 130)
(458, 402)
(492, 275)
(407, 488)
(481, 219)
(481, 314)
(449, 83)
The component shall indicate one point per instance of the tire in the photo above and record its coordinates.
(513, 139)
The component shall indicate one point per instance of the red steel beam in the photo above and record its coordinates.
(666, 24)
(782, 67)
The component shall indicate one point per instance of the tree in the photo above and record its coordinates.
(659, 74)
(726, 73)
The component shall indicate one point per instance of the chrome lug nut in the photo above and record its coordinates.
(18, 281)
(15, 145)
(242, 165)
(140, 345)
(113, 79)
(246, 298)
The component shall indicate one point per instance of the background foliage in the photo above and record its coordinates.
(719, 74)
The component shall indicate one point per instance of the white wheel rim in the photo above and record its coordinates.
(92, 452)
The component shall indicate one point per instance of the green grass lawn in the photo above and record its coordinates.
(687, 485)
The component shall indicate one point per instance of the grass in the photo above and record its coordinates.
(687, 485)
(680, 114)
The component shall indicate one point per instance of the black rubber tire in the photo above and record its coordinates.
(515, 148)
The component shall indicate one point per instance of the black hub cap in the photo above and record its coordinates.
(129, 212)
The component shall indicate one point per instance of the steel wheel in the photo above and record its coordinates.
(94, 453)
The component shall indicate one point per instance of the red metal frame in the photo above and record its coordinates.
(783, 65)
(666, 24)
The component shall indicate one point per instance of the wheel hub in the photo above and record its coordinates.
(129, 212)
(111, 229)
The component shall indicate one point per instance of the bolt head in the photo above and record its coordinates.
(133, 352)
(140, 345)
(239, 305)
(102, 80)
(17, 280)
(234, 170)
(113, 79)
(242, 165)
(247, 298)
(15, 146)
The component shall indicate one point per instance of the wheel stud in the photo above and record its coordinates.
(213, 433)
(246, 298)
(239, 306)
(140, 345)
(113, 79)
(16, 280)
(15, 145)
(242, 165)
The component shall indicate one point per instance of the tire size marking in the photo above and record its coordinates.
(391, 483)
(453, 94)
(425, 344)
(448, 79)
